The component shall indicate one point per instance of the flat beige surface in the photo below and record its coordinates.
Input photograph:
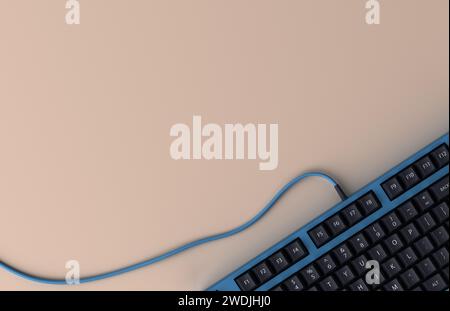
(85, 113)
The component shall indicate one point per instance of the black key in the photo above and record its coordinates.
(374, 232)
(407, 211)
(335, 225)
(310, 275)
(440, 189)
(393, 286)
(423, 247)
(409, 177)
(439, 236)
(393, 244)
(445, 273)
(277, 289)
(345, 275)
(423, 200)
(293, 284)
(441, 212)
(312, 289)
(409, 233)
(262, 272)
(407, 257)
(326, 264)
(358, 286)
(435, 283)
(278, 262)
(368, 203)
(319, 235)
(410, 278)
(295, 251)
(342, 253)
(425, 167)
(425, 223)
(391, 222)
(374, 280)
(359, 265)
(426, 268)
(328, 284)
(358, 243)
(377, 253)
(392, 188)
(441, 258)
(440, 156)
(351, 214)
(391, 268)
(246, 282)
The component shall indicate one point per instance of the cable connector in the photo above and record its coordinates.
(340, 192)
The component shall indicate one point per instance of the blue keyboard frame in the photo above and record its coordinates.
(229, 284)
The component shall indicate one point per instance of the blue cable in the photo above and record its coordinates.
(184, 247)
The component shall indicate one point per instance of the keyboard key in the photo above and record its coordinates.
(319, 235)
(441, 258)
(409, 233)
(439, 236)
(374, 232)
(278, 262)
(368, 203)
(426, 223)
(326, 264)
(335, 225)
(393, 286)
(440, 189)
(392, 188)
(393, 244)
(410, 278)
(391, 268)
(435, 283)
(328, 284)
(377, 253)
(277, 289)
(407, 211)
(376, 279)
(358, 286)
(351, 214)
(407, 257)
(408, 177)
(440, 156)
(342, 253)
(293, 284)
(262, 272)
(426, 268)
(423, 247)
(295, 251)
(358, 243)
(445, 274)
(246, 282)
(310, 275)
(345, 275)
(423, 201)
(359, 265)
(441, 212)
(391, 222)
(425, 167)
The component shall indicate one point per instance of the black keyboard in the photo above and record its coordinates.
(392, 235)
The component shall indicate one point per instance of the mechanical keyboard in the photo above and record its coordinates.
(396, 228)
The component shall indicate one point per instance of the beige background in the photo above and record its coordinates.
(85, 114)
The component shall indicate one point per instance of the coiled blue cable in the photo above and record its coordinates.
(184, 247)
